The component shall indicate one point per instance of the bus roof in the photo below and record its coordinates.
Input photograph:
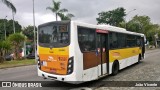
(103, 27)
(106, 27)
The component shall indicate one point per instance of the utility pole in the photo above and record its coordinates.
(5, 26)
(34, 30)
(155, 38)
(126, 16)
(14, 30)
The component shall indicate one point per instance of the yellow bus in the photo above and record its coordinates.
(75, 51)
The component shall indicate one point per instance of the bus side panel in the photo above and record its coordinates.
(132, 60)
(90, 74)
(126, 57)
(83, 70)
(90, 60)
(74, 51)
(90, 66)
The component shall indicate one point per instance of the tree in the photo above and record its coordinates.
(29, 32)
(60, 12)
(16, 40)
(9, 5)
(9, 28)
(114, 17)
(56, 8)
(143, 24)
(159, 33)
(122, 24)
(5, 47)
(68, 16)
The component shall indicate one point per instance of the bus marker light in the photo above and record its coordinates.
(70, 61)
(69, 66)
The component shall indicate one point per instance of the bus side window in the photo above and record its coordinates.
(113, 40)
(121, 40)
(138, 41)
(86, 39)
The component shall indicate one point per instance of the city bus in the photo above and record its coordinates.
(76, 51)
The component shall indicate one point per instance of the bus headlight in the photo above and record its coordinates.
(70, 66)
(37, 58)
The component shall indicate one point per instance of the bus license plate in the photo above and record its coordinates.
(52, 70)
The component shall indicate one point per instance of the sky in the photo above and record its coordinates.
(84, 10)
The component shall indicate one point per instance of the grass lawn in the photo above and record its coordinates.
(15, 63)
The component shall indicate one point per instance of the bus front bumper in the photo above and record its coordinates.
(64, 78)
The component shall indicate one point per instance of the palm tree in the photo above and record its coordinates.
(9, 4)
(56, 9)
(68, 16)
(12, 7)
(5, 47)
(16, 40)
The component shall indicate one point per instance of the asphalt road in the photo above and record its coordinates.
(147, 70)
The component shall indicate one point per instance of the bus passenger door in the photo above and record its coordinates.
(102, 53)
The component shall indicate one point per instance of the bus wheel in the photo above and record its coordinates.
(139, 58)
(115, 67)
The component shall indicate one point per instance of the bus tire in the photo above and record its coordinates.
(139, 58)
(115, 67)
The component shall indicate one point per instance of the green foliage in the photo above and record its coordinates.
(5, 47)
(113, 17)
(9, 5)
(16, 40)
(139, 24)
(151, 43)
(29, 32)
(65, 17)
(158, 34)
(122, 24)
(15, 63)
(60, 12)
(9, 28)
(142, 24)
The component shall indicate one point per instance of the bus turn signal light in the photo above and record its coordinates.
(70, 65)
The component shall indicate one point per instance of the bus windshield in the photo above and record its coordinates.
(53, 35)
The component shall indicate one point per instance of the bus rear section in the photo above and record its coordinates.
(54, 61)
